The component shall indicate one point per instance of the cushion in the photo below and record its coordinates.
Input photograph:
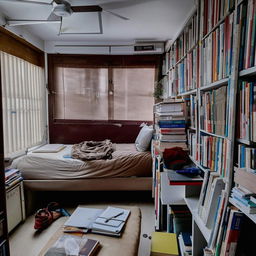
(144, 137)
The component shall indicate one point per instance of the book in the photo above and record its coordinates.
(185, 250)
(73, 245)
(177, 178)
(232, 234)
(109, 221)
(217, 186)
(164, 244)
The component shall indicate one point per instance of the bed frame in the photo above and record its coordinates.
(97, 184)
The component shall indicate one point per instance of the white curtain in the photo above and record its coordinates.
(23, 99)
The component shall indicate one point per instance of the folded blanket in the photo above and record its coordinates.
(92, 150)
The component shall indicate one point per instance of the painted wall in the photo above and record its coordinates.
(23, 33)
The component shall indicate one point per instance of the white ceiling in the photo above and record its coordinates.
(156, 20)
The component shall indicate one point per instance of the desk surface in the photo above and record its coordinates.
(127, 244)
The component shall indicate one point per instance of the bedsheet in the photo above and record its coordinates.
(126, 162)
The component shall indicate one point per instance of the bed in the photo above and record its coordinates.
(127, 170)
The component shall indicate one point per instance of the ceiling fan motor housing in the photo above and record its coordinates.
(62, 10)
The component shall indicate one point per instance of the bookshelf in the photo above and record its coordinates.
(4, 244)
(206, 75)
(245, 147)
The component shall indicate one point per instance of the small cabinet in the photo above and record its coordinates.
(15, 205)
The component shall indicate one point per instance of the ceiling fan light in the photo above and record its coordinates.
(62, 10)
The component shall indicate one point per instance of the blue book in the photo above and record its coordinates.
(172, 125)
(171, 122)
(186, 238)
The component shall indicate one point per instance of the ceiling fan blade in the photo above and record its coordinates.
(58, 1)
(13, 23)
(117, 15)
(54, 17)
(86, 8)
(24, 2)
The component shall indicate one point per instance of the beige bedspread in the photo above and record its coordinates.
(126, 162)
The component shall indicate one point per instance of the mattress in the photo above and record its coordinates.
(126, 162)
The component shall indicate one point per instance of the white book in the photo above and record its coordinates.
(217, 187)
(212, 177)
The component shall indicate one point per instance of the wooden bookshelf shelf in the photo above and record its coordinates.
(194, 91)
(215, 85)
(206, 232)
(248, 72)
(213, 134)
(192, 128)
(192, 48)
(251, 216)
(192, 203)
(246, 142)
(180, 60)
(197, 164)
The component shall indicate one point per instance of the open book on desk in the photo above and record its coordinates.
(109, 221)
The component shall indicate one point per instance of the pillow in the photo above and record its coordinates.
(144, 137)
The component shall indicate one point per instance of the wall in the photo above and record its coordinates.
(75, 131)
(22, 33)
(111, 48)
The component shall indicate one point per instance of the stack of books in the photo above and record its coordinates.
(170, 125)
(213, 111)
(12, 177)
(246, 157)
(248, 56)
(228, 234)
(247, 111)
(217, 50)
(213, 152)
(244, 199)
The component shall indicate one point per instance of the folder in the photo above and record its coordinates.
(111, 220)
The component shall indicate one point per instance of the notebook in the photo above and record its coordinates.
(109, 221)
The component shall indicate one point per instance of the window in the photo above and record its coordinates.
(81, 93)
(104, 93)
(23, 100)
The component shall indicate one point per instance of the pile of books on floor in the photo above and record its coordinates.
(170, 125)
(12, 177)
(244, 199)
(109, 221)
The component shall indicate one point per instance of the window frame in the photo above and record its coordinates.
(75, 131)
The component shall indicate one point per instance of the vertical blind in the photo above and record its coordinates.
(23, 99)
(104, 94)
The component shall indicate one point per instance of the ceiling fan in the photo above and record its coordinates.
(60, 9)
